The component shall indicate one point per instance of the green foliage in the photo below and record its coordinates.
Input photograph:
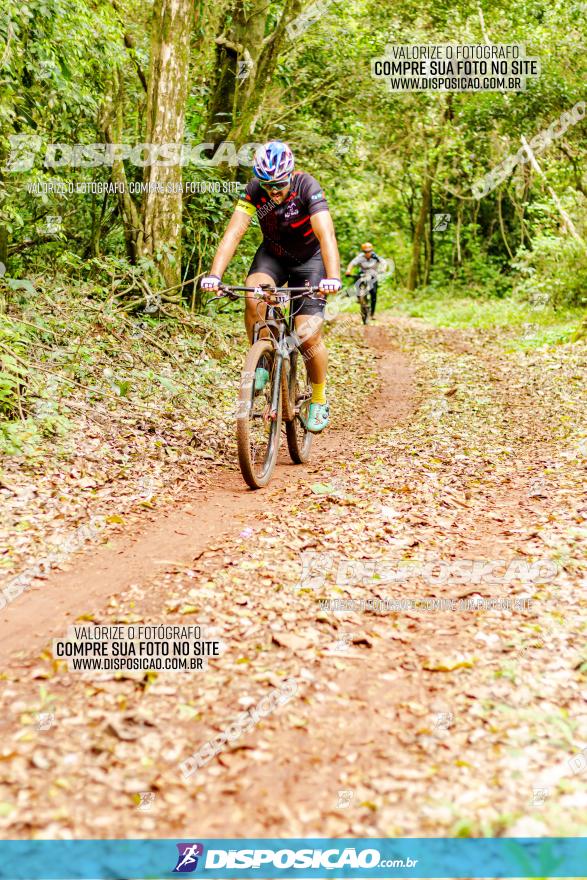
(14, 375)
(370, 149)
(521, 323)
(554, 272)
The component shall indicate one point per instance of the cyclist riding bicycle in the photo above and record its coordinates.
(370, 265)
(299, 245)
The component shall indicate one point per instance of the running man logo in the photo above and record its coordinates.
(578, 763)
(152, 303)
(147, 799)
(45, 720)
(53, 224)
(187, 860)
(343, 643)
(244, 67)
(23, 149)
(345, 797)
(443, 720)
(315, 567)
(441, 222)
(539, 796)
(342, 145)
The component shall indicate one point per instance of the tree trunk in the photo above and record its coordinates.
(246, 61)
(430, 232)
(3, 228)
(502, 226)
(3, 247)
(252, 98)
(111, 122)
(161, 210)
(419, 231)
(428, 239)
(238, 49)
(458, 234)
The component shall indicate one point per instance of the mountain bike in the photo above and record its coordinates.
(363, 284)
(285, 397)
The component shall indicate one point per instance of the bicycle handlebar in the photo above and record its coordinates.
(267, 293)
(266, 289)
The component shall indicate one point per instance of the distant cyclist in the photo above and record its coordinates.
(299, 245)
(370, 265)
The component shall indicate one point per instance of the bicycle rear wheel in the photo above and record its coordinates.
(299, 440)
(257, 434)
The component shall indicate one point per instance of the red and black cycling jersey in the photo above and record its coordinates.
(287, 229)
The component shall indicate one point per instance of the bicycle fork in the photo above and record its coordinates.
(276, 386)
(282, 353)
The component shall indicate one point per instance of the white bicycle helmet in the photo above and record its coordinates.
(273, 161)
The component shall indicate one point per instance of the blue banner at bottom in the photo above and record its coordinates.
(300, 857)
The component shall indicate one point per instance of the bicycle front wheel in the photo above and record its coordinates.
(365, 308)
(299, 440)
(258, 428)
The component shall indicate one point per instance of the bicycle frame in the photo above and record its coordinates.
(277, 324)
(281, 328)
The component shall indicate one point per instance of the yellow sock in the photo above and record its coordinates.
(319, 392)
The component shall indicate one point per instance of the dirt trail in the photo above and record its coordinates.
(180, 533)
(405, 723)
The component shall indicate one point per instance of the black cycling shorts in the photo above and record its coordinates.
(294, 275)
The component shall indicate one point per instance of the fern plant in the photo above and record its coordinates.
(14, 375)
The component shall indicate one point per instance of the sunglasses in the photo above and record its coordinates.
(269, 185)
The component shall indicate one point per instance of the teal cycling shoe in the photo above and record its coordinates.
(261, 378)
(318, 417)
